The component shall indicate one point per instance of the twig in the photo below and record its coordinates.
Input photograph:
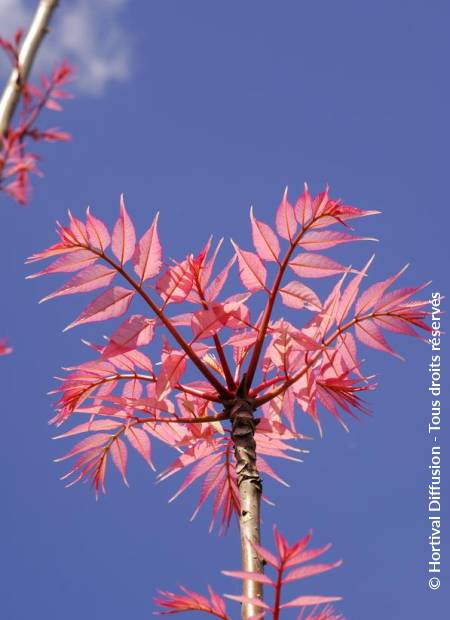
(19, 75)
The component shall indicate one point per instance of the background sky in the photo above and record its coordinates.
(199, 109)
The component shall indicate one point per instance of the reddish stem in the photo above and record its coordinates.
(253, 364)
(221, 389)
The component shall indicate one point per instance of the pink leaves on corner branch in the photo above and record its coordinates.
(17, 162)
(289, 563)
(186, 342)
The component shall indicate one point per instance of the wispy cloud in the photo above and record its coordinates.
(88, 33)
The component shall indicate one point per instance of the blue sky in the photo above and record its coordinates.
(226, 103)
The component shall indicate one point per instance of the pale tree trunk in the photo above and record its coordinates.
(250, 487)
(30, 46)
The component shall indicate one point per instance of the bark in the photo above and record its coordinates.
(30, 46)
(250, 487)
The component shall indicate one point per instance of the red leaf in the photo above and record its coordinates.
(147, 255)
(89, 279)
(264, 239)
(112, 303)
(285, 221)
(251, 270)
(324, 239)
(124, 236)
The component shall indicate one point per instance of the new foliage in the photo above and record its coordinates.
(17, 162)
(214, 348)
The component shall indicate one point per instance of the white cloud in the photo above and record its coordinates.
(87, 32)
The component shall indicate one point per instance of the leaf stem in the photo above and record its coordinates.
(19, 75)
(270, 304)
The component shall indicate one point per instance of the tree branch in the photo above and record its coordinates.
(221, 389)
(19, 75)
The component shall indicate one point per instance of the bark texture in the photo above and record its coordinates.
(250, 486)
(36, 33)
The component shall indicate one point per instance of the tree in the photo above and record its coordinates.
(16, 161)
(257, 369)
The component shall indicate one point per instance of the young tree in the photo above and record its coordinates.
(254, 371)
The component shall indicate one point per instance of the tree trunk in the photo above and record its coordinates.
(36, 33)
(250, 487)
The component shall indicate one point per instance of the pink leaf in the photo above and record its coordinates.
(264, 239)
(147, 258)
(308, 265)
(73, 261)
(119, 455)
(217, 284)
(251, 270)
(124, 236)
(135, 331)
(89, 279)
(176, 283)
(395, 324)
(249, 601)
(88, 427)
(297, 295)
(112, 303)
(266, 555)
(324, 239)
(305, 601)
(97, 232)
(172, 369)
(242, 574)
(372, 295)
(53, 105)
(349, 294)
(140, 442)
(309, 571)
(206, 323)
(93, 441)
(285, 221)
(371, 335)
(303, 207)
